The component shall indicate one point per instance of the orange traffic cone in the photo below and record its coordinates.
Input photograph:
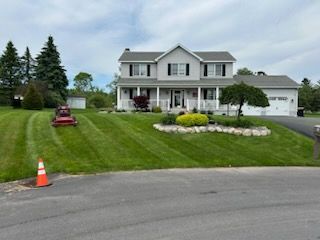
(42, 179)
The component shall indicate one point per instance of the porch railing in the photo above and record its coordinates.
(128, 104)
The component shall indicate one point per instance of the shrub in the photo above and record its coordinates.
(210, 112)
(169, 119)
(156, 109)
(194, 110)
(236, 123)
(194, 119)
(32, 99)
(53, 99)
(141, 102)
(203, 112)
(181, 113)
(97, 101)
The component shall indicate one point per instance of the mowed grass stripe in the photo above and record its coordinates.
(151, 140)
(13, 151)
(133, 151)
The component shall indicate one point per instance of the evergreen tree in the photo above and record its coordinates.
(306, 94)
(10, 73)
(49, 69)
(27, 67)
(32, 99)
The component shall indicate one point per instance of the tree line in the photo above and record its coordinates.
(45, 72)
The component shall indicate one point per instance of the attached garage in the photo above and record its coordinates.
(281, 91)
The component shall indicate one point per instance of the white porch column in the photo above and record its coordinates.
(217, 98)
(118, 98)
(138, 91)
(199, 97)
(158, 96)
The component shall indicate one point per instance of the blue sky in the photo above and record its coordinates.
(278, 37)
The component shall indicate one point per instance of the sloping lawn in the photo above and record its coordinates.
(112, 142)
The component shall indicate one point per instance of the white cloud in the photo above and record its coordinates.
(280, 37)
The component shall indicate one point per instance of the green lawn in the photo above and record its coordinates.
(312, 114)
(112, 142)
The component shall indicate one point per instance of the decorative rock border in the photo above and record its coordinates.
(254, 131)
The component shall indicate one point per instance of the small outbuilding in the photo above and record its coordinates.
(76, 102)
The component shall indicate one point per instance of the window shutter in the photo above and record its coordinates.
(223, 69)
(148, 93)
(130, 93)
(130, 70)
(169, 69)
(187, 69)
(205, 70)
(148, 70)
(204, 93)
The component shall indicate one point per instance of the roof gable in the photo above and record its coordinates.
(175, 47)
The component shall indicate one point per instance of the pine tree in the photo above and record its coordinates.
(10, 73)
(49, 69)
(32, 99)
(27, 67)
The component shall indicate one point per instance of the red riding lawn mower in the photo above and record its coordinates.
(63, 117)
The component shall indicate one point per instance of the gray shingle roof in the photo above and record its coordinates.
(267, 81)
(151, 56)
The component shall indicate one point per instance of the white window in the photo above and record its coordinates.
(140, 69)
(136, 71)
(182, 69)
(174, 69)
(143, 69)
(211, 94)
(218, 69)
(210, 70)
(178, 69)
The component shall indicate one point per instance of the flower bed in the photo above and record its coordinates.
(253, 131)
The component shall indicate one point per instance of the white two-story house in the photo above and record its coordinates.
(180, 79)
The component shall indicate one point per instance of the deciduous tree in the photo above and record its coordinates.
(239, 94)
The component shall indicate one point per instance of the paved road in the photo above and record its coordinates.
(298, 124)
(246, 203)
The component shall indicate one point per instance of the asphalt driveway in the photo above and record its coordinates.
(303, 125)
(231, 204)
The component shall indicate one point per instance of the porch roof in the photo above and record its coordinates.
(153, 82)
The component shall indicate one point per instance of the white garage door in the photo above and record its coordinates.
(279, 106)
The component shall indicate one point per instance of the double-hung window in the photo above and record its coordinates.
(174, 68)
(178, 69)
(139, 69)
(210, 70)
(218, 69)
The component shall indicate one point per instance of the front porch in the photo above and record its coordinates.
(175, 99)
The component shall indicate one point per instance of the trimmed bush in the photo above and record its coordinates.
(156, 109)
(194, 110)
(97, 101)
(169, 119)
(242, 123)
(181, 113)
(32, 99)
(194, 119)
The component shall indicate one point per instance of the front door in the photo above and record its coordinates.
(177, 96)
